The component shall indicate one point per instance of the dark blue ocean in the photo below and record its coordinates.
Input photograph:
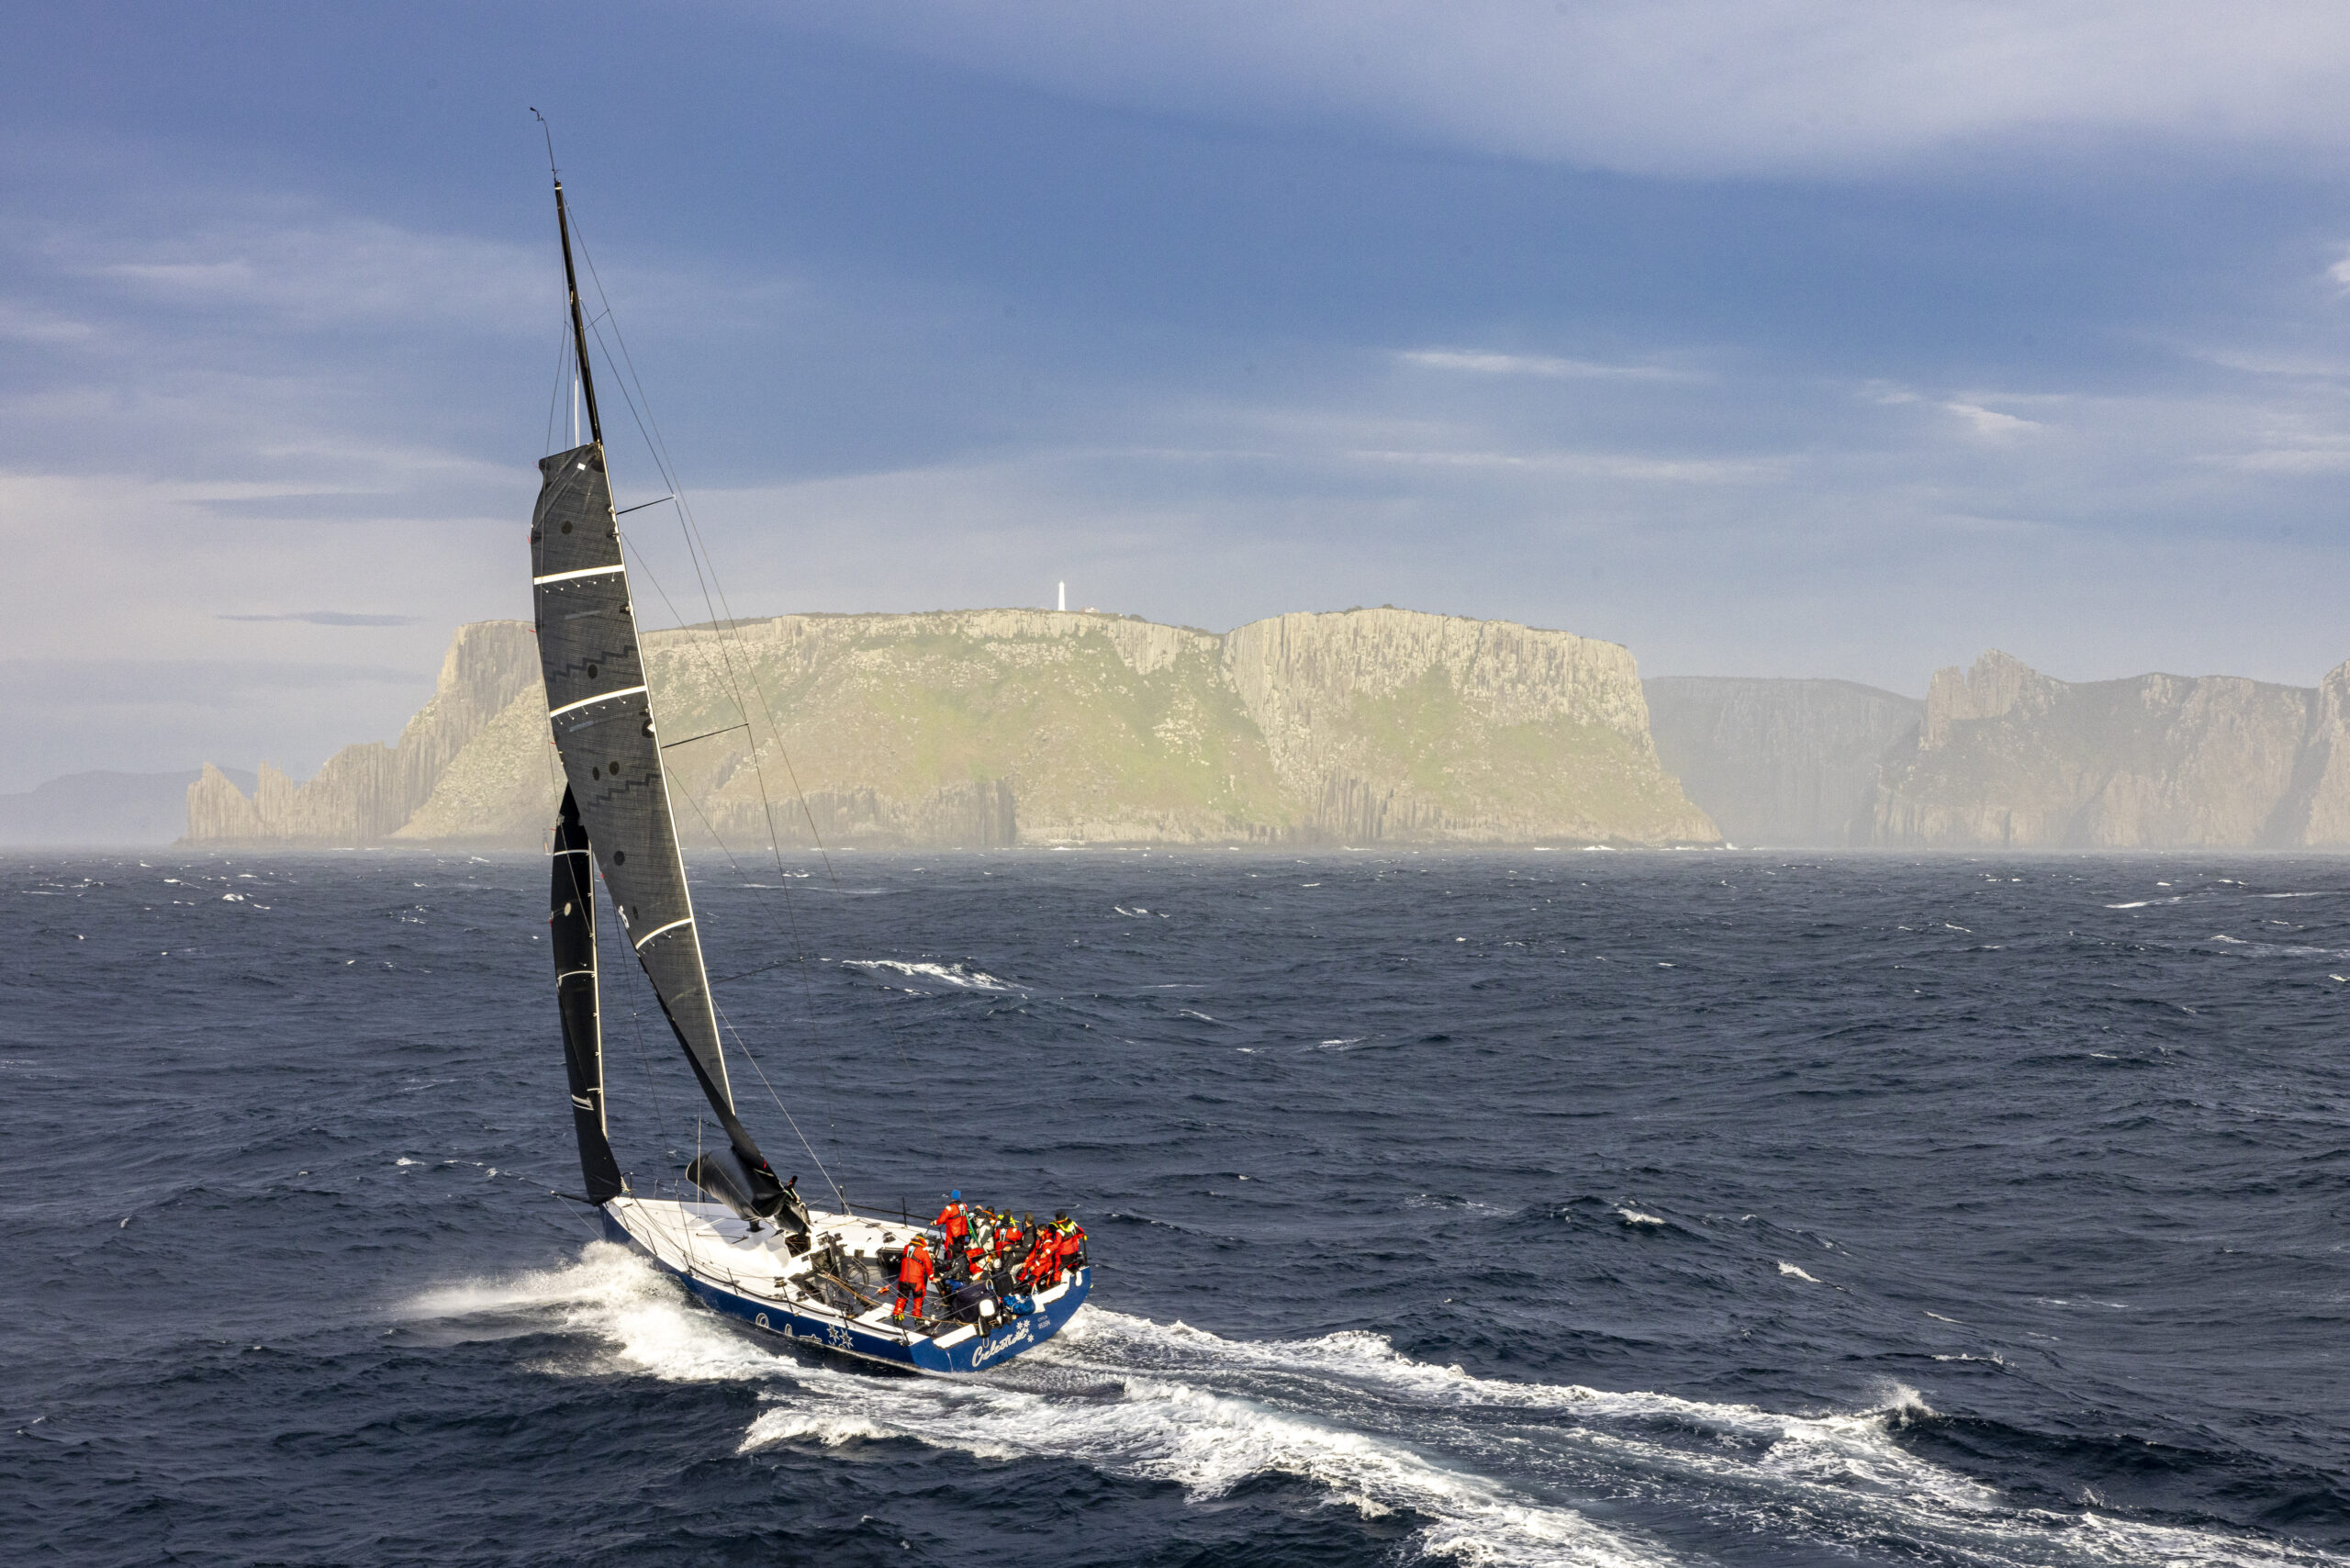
(1541, 1208)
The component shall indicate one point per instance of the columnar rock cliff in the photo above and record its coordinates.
(991, 727)
(2011, 758)
(1386, 723)
(1782, 763)
(366, 793)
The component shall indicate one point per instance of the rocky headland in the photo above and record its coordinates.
(2008, 758)
(367, 792)
(2001, 756)
(982, 728)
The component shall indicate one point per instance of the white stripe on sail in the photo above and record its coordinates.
(624, 692)
(568, 577)
(671, 926)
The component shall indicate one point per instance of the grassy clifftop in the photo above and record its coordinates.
(989, 727)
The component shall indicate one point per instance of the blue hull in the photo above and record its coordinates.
(1019, 1333)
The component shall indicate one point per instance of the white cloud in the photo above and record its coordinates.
(1677, 87)
(331, 272)
(1598, 465)
(29, 324)
(1482, 362)
(1990, 422)
(2310, 459)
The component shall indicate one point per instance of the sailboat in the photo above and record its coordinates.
(745, 1242)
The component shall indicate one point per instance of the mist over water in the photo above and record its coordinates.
(1539, 1208)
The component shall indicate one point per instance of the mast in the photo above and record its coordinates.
(571, 283)
(600, 710)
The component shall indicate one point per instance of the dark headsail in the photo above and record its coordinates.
(602, 716)
(571, 930)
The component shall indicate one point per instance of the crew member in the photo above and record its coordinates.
(974, 1261)
(1041, 1268)
(953, 1224)
(1070, 1240)
(913, 1279)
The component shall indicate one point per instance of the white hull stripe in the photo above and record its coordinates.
(601, 697)
(573, 577)
(657, 931)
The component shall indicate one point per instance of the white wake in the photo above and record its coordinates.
(1505, 1472)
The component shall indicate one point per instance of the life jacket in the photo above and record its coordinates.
(915, 1270)
(952, 1220)
(1069, 1242)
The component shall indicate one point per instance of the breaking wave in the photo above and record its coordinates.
(947, 974)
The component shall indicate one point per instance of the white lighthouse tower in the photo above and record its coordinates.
(1064, 602)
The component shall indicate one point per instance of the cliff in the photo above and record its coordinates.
(366, 793)
(1782, 763)
(992, 727)
(1387, 723)
(2008, 758)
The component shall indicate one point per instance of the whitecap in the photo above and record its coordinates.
(1795, 1273)
(952, 974)
(1634, 1217)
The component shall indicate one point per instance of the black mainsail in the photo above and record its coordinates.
(602, 717)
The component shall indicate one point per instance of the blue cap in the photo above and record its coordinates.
(956, 1194)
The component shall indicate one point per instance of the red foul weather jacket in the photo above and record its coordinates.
(914, 1272)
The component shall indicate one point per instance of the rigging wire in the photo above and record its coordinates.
(791, 918)
(790, 910)
(640, 405)
(744, 1046)
(636, 1027)
(562, 359)
(731, 645)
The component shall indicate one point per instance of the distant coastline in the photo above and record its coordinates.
(987, 729)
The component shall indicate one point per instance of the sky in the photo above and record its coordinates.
(1828, 339)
